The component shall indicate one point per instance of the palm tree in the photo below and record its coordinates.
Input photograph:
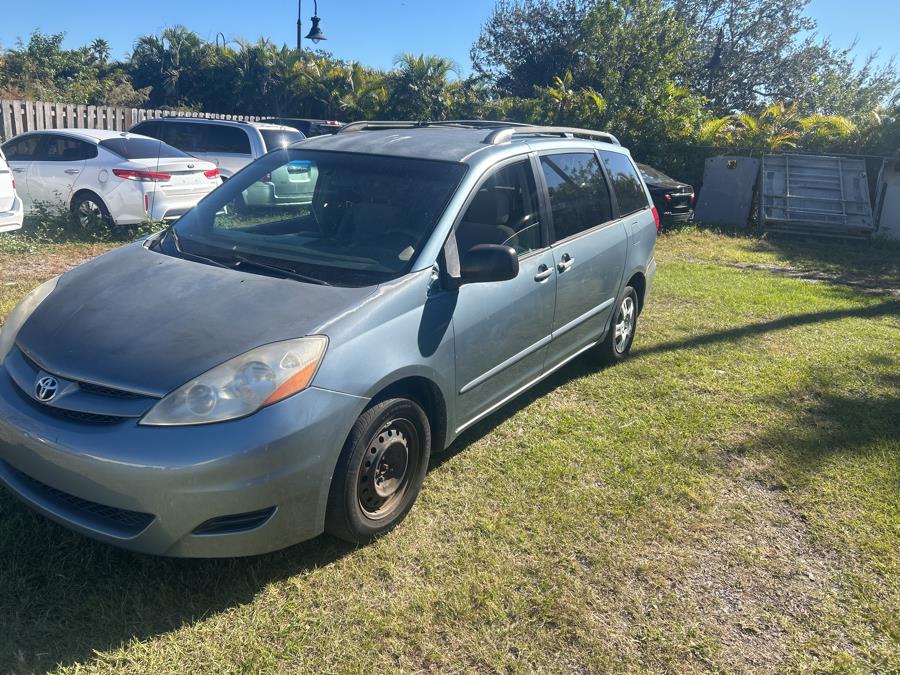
(777, 127)
(420, 87)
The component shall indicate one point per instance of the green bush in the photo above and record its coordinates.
(50, 224)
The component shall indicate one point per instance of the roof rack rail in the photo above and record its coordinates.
(409, 124)
(505, 134)
(500, 132)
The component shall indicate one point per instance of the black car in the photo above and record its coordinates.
(308, 127)
(673, 200)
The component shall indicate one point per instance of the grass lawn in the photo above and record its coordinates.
(727, 500)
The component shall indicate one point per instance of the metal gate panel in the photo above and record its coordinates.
(807, 194)
(727, 193)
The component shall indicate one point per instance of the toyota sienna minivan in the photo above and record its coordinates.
(249, 378)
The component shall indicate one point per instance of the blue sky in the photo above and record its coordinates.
(369, 31)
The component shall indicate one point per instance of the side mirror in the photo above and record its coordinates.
(489, 262)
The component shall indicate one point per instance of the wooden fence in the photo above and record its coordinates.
(17, 117)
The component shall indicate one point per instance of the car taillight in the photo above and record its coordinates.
(667, 197)
(212, 173)
(14, 183)
(146, 202)
(142, 176)
(655, 217)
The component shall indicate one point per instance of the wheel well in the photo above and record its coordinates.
(639, 283)
(85, 191)
(428, 395)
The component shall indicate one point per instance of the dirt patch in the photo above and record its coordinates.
(15, 269)
(758, 582)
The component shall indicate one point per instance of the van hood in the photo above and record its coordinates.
(146, 322)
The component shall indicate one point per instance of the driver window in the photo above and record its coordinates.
(504, 211)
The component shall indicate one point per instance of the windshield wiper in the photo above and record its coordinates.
(284, 271)
(192, 256)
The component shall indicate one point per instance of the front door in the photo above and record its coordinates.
(589, 249)
(502, 329)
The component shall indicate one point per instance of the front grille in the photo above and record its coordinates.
(126, 522)
(75, 415)
(80, 416)
(237, 523)
(100, 390)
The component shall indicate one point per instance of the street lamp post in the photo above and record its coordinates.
(315, 33)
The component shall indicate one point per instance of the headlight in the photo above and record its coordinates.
(20, 314)
(243, 385)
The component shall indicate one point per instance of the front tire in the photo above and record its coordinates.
(620, 336)
(380, 471)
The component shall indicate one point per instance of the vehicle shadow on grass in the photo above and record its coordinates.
(63, 597)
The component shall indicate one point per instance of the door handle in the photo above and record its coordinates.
(18, 170)
(566, 262)
(73, 172)
(543, 273)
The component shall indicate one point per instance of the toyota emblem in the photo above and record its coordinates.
(46, 388)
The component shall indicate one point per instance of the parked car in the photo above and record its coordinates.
(308, 127)
(673, 199)
(236, 384)
(125, 178)
(11, 210)
(229, 145)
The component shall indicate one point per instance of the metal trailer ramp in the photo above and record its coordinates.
(815, 195)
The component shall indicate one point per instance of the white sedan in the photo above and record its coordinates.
(10, 204)
(119, 177)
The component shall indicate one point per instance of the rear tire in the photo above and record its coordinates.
(620, 336)
(380, 471)
(88, 210)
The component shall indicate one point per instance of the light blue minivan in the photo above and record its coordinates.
(251, 377)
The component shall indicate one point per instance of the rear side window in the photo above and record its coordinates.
(221, 138)
(62, 149)
(141, 148)
(579, 196)
(151, 129)
(625, 181)
(186, 136)
(22, 149)
(275, 139)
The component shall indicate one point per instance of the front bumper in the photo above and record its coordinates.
(12, 219)
(149, 488)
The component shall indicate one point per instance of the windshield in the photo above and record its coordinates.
(141, 148)
(341, 218)
(652, 174)
(276, 139)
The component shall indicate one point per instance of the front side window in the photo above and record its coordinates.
(503, 211)
(62, 149)
(22, 149)
(625, 181)
(340, 218)
(579, 197)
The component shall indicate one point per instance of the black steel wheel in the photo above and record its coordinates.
(380, 471)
